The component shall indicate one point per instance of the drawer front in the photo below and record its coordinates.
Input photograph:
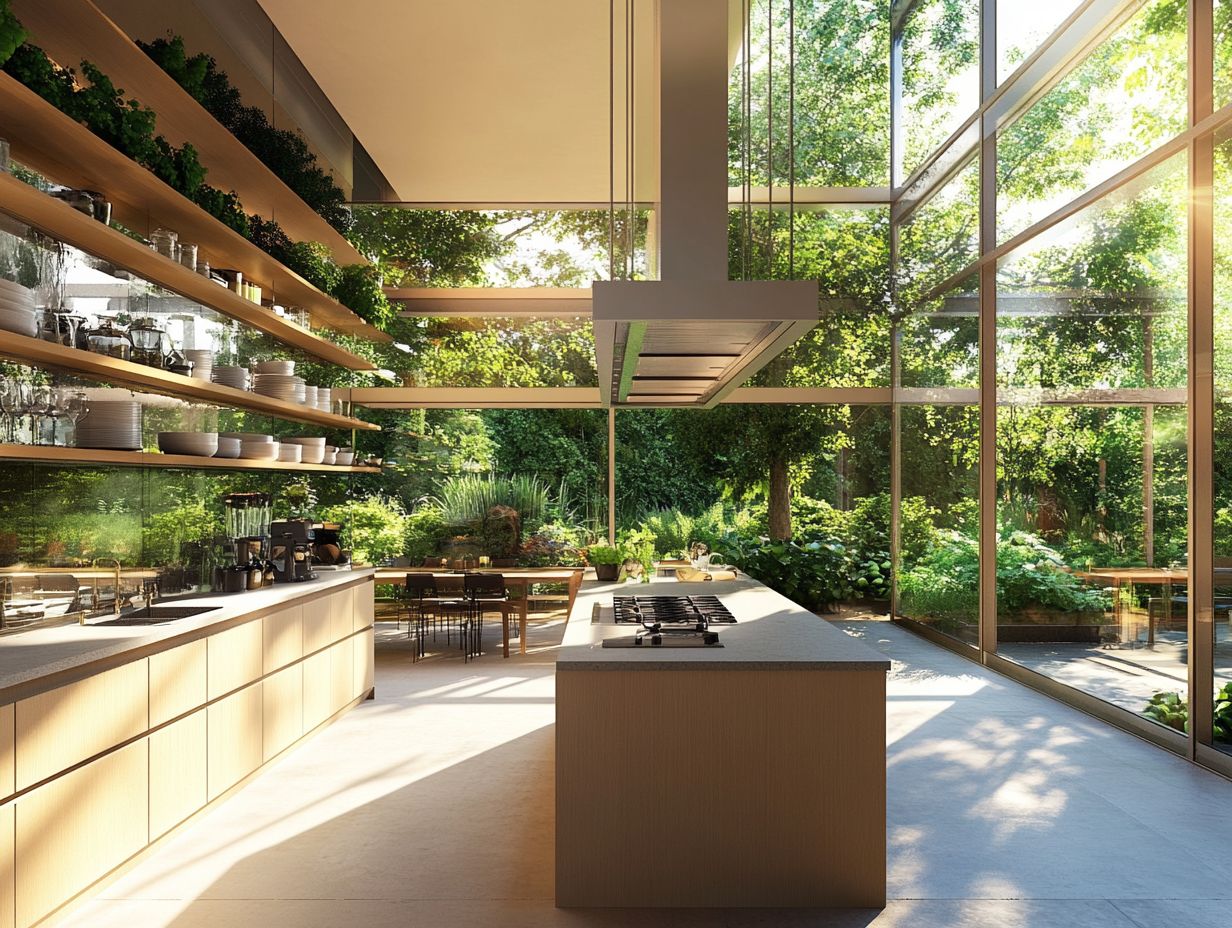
(365, 605)
(317, 625)
(283, 698)
(284, 638)
(8, 737)
(177, 772)
(64, 726)
(235, 658)
(177, 681)
(235, 740)
(364, 643)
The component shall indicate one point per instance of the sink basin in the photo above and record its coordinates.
(156, 615)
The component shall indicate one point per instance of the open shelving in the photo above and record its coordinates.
(55, 454)
(71, 31)
(52, 143)
(20, 348)
(61, 221)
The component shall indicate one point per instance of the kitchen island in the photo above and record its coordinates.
(112, 736)
(751, 774)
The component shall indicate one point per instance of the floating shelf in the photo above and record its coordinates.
(52, 143)
(61, 221)
(71, 31)
(114, 370)
(48, 454)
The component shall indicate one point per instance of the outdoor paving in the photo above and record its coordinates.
(433, 806)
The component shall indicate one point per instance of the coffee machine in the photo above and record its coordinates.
(291, 543)
(247, 523)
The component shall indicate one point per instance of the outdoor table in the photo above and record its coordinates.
(515, 579)
(1127, 577)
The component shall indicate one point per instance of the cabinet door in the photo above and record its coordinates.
(177, 772)
(177, 681)
(341, 612)
(235, 742)
(342, 674)
(7, 869)
(235, 658)
(283, 698)
(318, 691)
(8, 776)
(317, 628)
(72, 723)
(79, 827)
(364, 644)
(365, 605)
(283, 633)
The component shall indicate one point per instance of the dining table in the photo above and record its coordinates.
(516, 579)
(1129, 577)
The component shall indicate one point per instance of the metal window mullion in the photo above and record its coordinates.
(1201, 378)
(987, 472)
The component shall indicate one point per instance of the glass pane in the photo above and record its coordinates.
(1222, 474)
(1121, 102)
(1091, 446)
(938, 579)
(939, 342)
(941, 64)
(941, 237)
(1022, 27)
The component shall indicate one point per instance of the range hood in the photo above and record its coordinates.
(693, 336)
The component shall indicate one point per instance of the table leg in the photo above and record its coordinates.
(523, 619)
(575, 584)
(505, 630)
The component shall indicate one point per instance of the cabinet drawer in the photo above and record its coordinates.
(177, 772)
(284, 638)
(177, 681)
(234, 739)
(235, 658)
(283, 698)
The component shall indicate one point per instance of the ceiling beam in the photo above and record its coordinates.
(470, 302)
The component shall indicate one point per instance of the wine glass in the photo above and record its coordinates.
(40, 406)
(9, 396)
(75, 408)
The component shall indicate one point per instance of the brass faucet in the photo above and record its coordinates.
(116, 562)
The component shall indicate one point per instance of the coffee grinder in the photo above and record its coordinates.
(248, 526)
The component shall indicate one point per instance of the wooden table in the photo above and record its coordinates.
(516, 578)
(1129, 576)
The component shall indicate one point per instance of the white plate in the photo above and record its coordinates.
(285, 368)
(204, 444)
(247, 436)
(8, 286)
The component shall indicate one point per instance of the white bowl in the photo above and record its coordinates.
(345, 458)
(203, 444)
(228, 447)
(285, 368)
(259, 450)
(248, 436)
(312, 454)
(328, 455)
(290, 453)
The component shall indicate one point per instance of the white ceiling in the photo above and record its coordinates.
(482, 102)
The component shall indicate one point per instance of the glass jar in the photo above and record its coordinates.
(148, 342)
(108, 339)
(164, 242)
(188, 255)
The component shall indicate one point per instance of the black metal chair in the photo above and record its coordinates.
(454, 607)
(420, 600)
(485, 593)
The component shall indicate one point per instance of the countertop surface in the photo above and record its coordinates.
(57, 651)
(771, 632)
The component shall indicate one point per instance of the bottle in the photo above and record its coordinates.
(256, 573)
(268, 576)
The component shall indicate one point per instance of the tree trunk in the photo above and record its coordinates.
(780, 499)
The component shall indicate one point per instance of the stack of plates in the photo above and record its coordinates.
(232, 377)
(202, 444)
(260, 450)
(113, 424)
(324, 399)
(314, 448)
(17, 312)
(228, 447)
(280, 387)
(330, 454)
(289, 452)
(310, 397)
(203, 362)
(284, 368)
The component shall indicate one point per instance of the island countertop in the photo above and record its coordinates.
(771, 632)
(43, 658)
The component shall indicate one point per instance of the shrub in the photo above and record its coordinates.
(464, 500)
(425, 532)
(359, 289)
(500, 531)
(12, 33)
(603, 554)
(550, 547)
(373, 528)
(813, 574)
(1168, 709)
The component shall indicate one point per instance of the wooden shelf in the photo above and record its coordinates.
(61, 221)
(56, 455)
(71, 31)
(52, 143)
(93, 366)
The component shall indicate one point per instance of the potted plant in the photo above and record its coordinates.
(606, 560)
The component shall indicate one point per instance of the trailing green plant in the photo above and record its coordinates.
(284, 152)
(223, 206)
(359, 289)
(1168, 709)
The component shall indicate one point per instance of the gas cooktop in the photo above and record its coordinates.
(695, 612)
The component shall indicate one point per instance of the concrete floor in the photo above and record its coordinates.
(432, 806)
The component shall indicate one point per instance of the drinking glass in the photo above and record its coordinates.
(8, 406)
(75, 408)
(39, 408)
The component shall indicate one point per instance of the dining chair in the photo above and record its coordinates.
(420, 599)
(485, 593)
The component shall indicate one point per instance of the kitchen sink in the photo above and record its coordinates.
(156, 615)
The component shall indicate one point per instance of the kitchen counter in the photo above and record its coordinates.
(770, 632)
(751, 775)
(43, 658)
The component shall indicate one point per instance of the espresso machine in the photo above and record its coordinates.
(291, 543)
(247, 521)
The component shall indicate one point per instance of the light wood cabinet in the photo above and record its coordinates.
(65, 726)
(364, 643)
(283, 634)
(8, 869)
(177, 681)
(7, 745)
(341, 612)
(75, 829)
(318, 692)
(235, 658)
(234, 741)
(282, 696)
(341, 674)
(177, 772)
(363, 605)
(318, 630)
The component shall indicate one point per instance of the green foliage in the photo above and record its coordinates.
(164, 534)
(374, 527)
(813, 574)
(428, 248)
(604, 554)
(359, 289)
(464, 500)
(12, 33)
(425, 532)
(1222, 720)
(284, 152)
(943, 585)
(300, 499)
(225, 207)
(500, 531)
(1168, 709)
